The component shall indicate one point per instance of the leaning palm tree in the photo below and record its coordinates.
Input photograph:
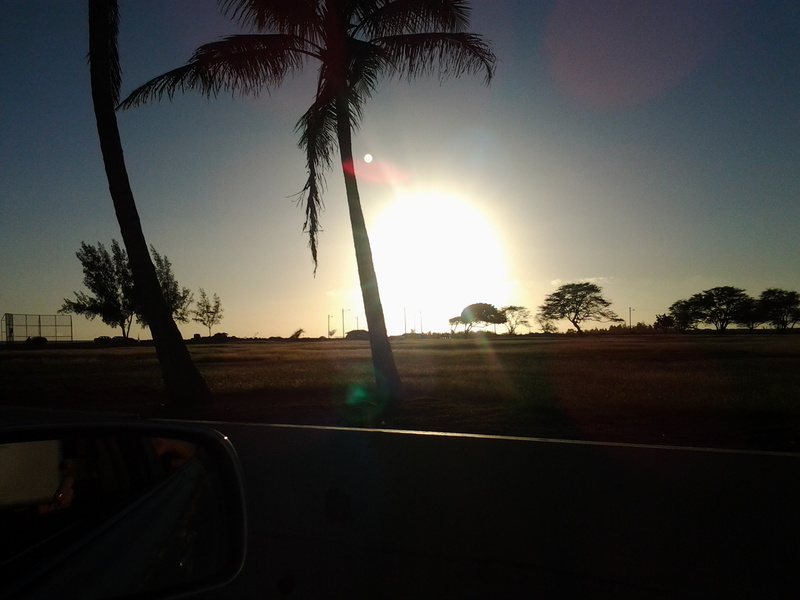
(185, 386)
(355, 42)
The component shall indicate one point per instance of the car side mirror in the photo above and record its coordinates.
(118, 510)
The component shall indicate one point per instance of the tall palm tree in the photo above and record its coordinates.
(355, 43)
(185, 385)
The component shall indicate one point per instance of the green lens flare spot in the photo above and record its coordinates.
(357, 396)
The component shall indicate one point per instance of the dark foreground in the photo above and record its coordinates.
(370, 514)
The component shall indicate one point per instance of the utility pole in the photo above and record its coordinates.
(343, 311)
(329, 326)
(630, 324)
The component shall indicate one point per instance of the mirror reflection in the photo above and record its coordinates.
(109, 516)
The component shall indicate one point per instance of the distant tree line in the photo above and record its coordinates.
(109, 279)
(727, 305)
(577, 303)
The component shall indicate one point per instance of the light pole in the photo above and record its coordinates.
(630, 310)
(329, 326)
(343, 311)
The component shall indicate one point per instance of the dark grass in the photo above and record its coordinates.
(729, 391)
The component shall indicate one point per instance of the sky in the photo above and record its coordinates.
(650, 147)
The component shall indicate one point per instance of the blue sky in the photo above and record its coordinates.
(651, 147)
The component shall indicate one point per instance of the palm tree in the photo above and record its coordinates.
(183, 381)
(355, 43)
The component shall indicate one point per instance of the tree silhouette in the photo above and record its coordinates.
(108, 276)
(208, 312)
(780, 307)
(356, 42)
(183, 381)
(683, 315)
(515, 317)
(481, 313)
(664, 322)
(750, 314)
(717, 306)
(578, 302)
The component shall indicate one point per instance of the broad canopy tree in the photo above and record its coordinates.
(183, 381)
(780, 307)
(750, 314)
(577, 302)
(719, 306)
(355, 43)
(481, 314)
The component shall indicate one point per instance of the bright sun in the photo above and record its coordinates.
(435, 254)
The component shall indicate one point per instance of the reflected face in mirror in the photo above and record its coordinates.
(147, 513)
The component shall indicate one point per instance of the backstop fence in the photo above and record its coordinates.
(15, 328)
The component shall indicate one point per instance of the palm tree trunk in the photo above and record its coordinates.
(186, 387)
(387, 378)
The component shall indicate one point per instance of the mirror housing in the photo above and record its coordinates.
(117, 509)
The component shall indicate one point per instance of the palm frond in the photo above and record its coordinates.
(442, 54)
(395, 17)
(317, 128)
(298, 17)
(367, 62)
(241, 64)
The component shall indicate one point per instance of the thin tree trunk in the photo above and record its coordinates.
(186, 387)
(387, 378)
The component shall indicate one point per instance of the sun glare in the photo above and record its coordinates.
(435, 254)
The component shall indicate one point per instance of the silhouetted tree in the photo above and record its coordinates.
(183, 381)
(107, 276)
(780, 307)
(481, 314)
(355, 42)
(208, 312)
(664, 322)
(578, 302)
(717, 306)
(750, 314)
(515, 316)
(684, 316)
(297, 334)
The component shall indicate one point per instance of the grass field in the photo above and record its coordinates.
(729, 391)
